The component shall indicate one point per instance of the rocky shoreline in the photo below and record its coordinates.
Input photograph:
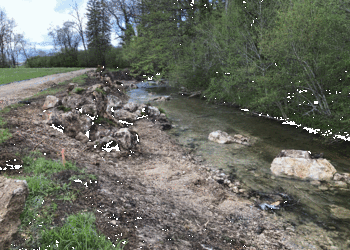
(152, 191)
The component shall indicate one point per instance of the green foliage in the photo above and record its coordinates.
(114, 58)
(161, 110)
(79, 90)
(101, 91)
(98, 31)
(64, 109)
(100, 120)
(79, 233)
(79, 79)
(4, 135)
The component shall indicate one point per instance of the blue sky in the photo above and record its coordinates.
(35, 17)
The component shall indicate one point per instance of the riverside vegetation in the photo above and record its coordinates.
(289, 61)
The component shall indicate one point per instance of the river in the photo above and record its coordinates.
(311, 216)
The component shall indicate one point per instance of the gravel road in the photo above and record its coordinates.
(13, 92)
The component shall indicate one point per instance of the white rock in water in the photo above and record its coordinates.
(220, 137)
(296, 163)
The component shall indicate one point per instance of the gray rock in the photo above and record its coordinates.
(13, 194)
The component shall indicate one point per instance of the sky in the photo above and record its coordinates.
(35, 17)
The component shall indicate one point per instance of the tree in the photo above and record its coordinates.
(25, 49)
(124, 12)
(6, 28)
(78, 25)
(14, 48)
(98, 30)
(65, 38)
(309, 42)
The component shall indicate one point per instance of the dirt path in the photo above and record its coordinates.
(158, 198)
(13, 92)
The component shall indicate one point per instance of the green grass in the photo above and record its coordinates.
(4, 133)
(64, 109)
(79, 79)
(101, 91)
(78, 90)
(8, 75)
(100, 120)
(37, 217)
(161, 110)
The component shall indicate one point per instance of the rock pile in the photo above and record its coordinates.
(75, 114)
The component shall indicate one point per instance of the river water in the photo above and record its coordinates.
(311, 216)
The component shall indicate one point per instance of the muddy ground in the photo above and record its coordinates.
(160, 197)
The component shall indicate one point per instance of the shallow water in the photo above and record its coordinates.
(194, 120)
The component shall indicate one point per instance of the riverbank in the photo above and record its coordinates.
(161, 197)
(330, 132)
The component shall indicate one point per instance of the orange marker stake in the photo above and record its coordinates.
(63, 159)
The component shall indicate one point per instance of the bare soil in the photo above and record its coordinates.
(160, 197)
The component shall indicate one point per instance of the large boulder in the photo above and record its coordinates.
(104, 142)
(113, 103)
(90, 109)
(75, 122)
(131, 107)
(98, 131)
(125, 115)
(153, 111)
(71, 122)
(50, 102)
(223, 138)
(125, 138)
(13, 194)
(298, 163)
(76, 101)
(71, 86)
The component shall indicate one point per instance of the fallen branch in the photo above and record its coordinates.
(38, 144)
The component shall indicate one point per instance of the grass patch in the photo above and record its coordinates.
(12, 106)
(37, 217)
(79, 79)
(8, 75)
(4, 133)
(78, 232)
(100, 120)
(63, 108)
(79, 90)
(161, 110)
(101, 91)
